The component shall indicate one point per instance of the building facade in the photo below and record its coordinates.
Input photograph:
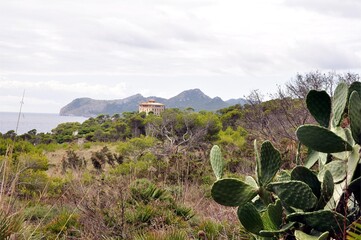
(152, 106)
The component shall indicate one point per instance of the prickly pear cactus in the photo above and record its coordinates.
(232, 192)
(339, 103)
(303, 236)
(217, 162)
(319, 105)
(275, 202)
(321, 139)
(323, 220)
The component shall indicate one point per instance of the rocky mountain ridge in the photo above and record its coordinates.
(193, 98)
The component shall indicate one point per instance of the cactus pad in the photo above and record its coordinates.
(326, 190)
(232, 192)
(270, 163)
(323, 220)
(305, 175)
(355, 116)
(337, 169)
(294, 193)
(250, 218)
(283, 176)
(272, 218)
(321, 139)
(258, 160)
(217, 162)
(354, 187)
(250, 181)
(339, 102)
(271, 233)
(319, 105)
(303, 236)
(353, 161)
(312, 158)
(355, 86)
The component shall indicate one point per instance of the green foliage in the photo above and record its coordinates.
(64, 224)
(39, 212)
(66, 132)
(73, 161)
(208, 229)
(11, 226)
(142, 214)
(100, 158)
(145, 191)
(33, 161)
(354, 232)
(134, 147)
(139, 168)
(183, 211)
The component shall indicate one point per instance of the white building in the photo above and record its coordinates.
(151, 106)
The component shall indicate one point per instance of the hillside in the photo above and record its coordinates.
(193, 98)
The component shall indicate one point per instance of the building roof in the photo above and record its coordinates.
(151, 102)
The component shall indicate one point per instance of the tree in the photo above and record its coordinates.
(181, 130)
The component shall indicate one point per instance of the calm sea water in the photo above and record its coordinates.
(42, 122)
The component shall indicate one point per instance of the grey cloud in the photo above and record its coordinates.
(325, 56)
(83, 37)
(343, 8)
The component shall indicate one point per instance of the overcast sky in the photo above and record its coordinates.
(63, 49)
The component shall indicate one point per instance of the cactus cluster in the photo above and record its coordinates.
(308, 200)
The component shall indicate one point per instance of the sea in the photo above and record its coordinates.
(42, 122)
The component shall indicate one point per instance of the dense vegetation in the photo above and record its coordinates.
(134, 176)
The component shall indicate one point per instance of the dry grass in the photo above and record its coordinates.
(206, 207)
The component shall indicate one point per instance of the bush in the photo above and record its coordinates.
(64, 224)
(73, 161)
(145, 191)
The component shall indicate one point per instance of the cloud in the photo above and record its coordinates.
(78, 88)
(59, 50)
(325, 56)
(345, 8)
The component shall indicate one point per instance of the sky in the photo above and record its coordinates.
(60, 50)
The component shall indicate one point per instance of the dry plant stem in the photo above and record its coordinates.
(3, 182)
(72, 213)
(8, 156)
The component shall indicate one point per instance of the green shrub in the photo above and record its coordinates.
(32, 182)
(141, 214)
(35, 161)
(138, 169)
(183, 211)
(39, 212)
(64, 224)
(56, 186)
(11, 225)
(145, 191)
(211, 229)
(73, 161)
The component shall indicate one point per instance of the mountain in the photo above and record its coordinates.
(233, 101)
(193, 98)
